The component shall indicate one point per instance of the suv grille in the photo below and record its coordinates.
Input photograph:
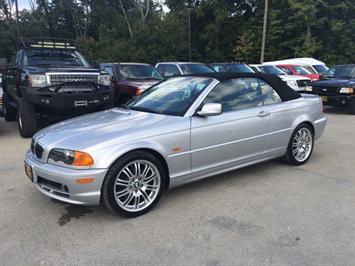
(56, 79)
(325, 91)
(303, 83)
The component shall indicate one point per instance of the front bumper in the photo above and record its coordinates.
(76, 100)
(338, 100)
(59, 182)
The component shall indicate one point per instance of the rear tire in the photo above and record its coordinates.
(27, 118)
(9, 110)
(129, 194)
(352, 107)
(300, 146)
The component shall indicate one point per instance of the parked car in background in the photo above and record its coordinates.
(131, 79)
(298, 83)
(181, 130)
(173, 69)
(298, 70)
(311, 64)
(49, 76)
(338, 87)
(231, 67)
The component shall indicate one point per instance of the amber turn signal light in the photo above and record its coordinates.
(84, 180)
(82, 159)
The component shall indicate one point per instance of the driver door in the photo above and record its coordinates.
(239, 135)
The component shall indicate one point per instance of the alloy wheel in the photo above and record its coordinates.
(137, 185)
(302, 144)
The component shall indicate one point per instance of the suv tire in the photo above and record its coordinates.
(27, 118)
(352, 107)
(9, 110)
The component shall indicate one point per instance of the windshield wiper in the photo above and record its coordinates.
(143, 109)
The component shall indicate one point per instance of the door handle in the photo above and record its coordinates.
(263, 114)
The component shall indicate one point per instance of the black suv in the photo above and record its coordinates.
(337, 87)
(50, 77)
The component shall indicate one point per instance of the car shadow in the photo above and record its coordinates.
(336, 110)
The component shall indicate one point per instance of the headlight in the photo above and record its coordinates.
(346, 90)
(105, 80)
(308, 88)
(37, 80)
(292, 84)
(63, 157)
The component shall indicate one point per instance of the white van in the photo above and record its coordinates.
(311, 64)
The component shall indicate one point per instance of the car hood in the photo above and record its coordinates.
(70, 69)
(335, 82)
(142, 84)
(107, 128)
(292, 77)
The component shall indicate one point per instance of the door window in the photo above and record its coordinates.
(236, 94)
(286, 70)
(171, 71)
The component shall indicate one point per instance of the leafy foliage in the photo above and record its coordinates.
(222, 30)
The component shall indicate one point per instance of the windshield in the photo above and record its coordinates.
(188, 69)
(301, 70)
(271, 70)
(138, 72)
(238, 68)
(171, 97)
(341, 72)
(321, 69)
(54, 57)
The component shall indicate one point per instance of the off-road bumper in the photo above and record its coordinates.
(77, 100)
(60, 182)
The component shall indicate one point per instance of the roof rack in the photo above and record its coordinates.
(49, 43)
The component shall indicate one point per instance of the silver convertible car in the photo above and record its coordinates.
(178, 131)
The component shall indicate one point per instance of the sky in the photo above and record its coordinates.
(23, 4)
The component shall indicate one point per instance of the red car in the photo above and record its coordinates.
(298, 70)
(130, 79)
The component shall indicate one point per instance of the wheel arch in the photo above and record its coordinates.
(153, 152)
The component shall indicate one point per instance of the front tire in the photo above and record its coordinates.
(27, 119)
(9, 111)
(352, 107)
(301, 144)
(134, 184)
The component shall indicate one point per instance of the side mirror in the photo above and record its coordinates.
(210, 109)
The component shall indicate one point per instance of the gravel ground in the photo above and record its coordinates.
(267, 214)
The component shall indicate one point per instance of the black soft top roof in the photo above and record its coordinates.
(285, 92)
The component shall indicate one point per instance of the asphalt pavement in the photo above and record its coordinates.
(266, 214)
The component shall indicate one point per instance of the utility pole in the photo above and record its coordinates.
(17, 22)
(264, 32)
(190, 4)
(189, 23)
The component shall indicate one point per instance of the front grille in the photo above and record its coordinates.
(325, 91)
(303, 83)
(57, 79)
(38, 150)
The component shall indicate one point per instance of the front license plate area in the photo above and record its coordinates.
(28, 171)
(324, 98)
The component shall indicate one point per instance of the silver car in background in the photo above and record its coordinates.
(181, 130)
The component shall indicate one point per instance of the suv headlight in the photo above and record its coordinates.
(37, 80)
(292, 84)
(105, 80)
(63, 157)
(346, 90)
